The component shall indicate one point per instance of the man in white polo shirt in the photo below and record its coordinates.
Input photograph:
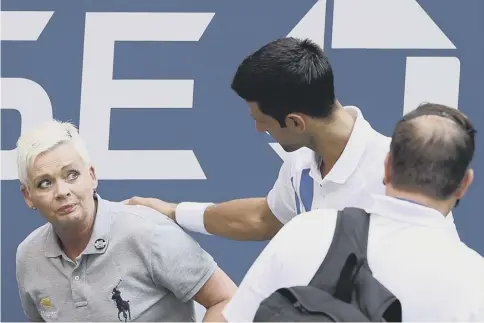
(336, 160)
(412, 249)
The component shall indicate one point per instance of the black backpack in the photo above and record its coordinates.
(343, 288)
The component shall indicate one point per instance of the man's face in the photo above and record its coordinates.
(288, 137)
(61, 186)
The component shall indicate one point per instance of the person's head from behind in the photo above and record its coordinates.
(55, 174)
(430, 155)
(287, 83)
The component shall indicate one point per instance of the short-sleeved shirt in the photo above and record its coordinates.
(357, 174)
(412, 250)
(154, 265)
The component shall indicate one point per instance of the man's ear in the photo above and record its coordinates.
(465, 184)
(26, 195)
(387, 177)
(295, 121)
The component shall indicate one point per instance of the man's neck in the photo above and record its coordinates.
(443, 207)
(330, 139)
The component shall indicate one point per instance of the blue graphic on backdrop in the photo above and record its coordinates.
(236, 160)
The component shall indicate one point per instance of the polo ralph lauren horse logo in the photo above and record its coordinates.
(122, 305)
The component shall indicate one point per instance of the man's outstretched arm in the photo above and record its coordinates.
(243, 219)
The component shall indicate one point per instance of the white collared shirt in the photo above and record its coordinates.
(357, 174)
(412, 250)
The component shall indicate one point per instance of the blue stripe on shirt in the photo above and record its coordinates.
(306, 189)
(298, 207)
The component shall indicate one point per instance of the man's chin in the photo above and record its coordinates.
(290, 149)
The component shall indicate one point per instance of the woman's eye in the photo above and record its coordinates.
(43, 184)
(72, 175)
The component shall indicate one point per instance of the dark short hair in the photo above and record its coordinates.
(431, 150)
(286, 76)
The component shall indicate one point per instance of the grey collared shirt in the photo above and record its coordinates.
(156, 267)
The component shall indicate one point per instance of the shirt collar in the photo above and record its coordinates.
(408, 211)
(52, 248)
(352, 153)
(100, 236)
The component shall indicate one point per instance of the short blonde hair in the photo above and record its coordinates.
(44, 138)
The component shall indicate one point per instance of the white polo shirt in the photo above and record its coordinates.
(357, 173)
(412, 250)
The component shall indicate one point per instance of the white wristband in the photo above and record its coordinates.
(189, 215)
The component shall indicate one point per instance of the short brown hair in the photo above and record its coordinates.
(431, 150)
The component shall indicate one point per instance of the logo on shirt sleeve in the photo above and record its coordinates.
(47, 310)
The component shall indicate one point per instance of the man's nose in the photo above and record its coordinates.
(259, 128)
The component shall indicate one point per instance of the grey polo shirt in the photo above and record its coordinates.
(158, 266)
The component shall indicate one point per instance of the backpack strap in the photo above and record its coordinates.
(350, 237)
(346, 268)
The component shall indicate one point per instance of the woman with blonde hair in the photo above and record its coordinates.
(96, 260)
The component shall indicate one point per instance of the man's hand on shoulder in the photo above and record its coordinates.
(163, 207)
